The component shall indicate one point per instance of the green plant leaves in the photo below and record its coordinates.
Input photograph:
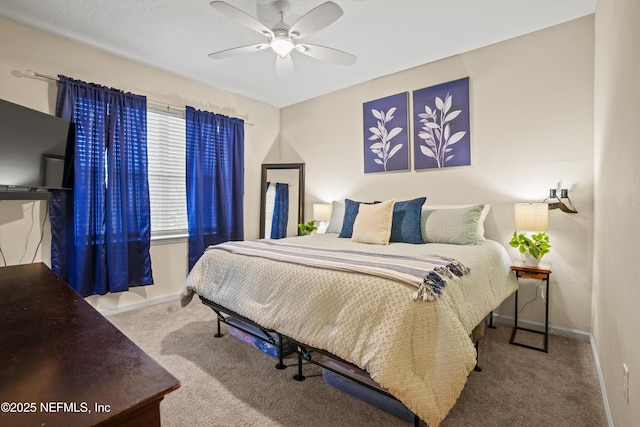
(537, 246)
(307, 228)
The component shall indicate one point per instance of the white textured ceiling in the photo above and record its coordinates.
(387, 36)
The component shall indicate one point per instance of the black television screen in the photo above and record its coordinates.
(32, 149)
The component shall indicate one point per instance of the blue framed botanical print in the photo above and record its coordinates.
(386, 134)
(441, 125)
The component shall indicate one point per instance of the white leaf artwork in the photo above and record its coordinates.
(436, 130)
(383, 148)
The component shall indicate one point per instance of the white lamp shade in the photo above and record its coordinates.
(321, 212)
(531, 216)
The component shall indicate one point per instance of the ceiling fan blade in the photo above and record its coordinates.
(236, 51)
(327, 54)
(241, 17)
(284, 67)
(315, 20)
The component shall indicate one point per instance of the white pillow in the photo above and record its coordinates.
(483, 217)
(337, 214)
(373, 223)
(455, 225)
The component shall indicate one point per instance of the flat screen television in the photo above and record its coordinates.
(33, 150)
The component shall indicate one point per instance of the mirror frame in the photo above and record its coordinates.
(266, 167)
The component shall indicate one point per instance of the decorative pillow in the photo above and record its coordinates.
(351, 208)
(337, 213)
(458, 226)
(373, 223)
(483, 215)
(406, 221)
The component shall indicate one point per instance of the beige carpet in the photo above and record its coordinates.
(225, 382)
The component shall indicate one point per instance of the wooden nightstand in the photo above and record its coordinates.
(539, 273)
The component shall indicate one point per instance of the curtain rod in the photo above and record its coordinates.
(168, 106)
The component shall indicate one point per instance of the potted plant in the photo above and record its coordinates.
(307, 228)
(532, 249)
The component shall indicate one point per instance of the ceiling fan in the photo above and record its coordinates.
(284, 39)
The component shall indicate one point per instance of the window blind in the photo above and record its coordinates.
(166, 141)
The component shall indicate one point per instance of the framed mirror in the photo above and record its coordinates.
(281, 199)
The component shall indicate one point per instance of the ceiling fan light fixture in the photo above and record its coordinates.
(283, 38)
(281, 45)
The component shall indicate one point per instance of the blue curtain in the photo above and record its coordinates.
(215, 180)
(280, 212)
(101, 229)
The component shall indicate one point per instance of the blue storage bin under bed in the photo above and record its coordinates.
(360, 391)
(238, 328)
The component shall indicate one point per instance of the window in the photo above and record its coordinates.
(166, 152)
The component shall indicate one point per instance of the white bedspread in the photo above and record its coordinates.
(419, 351)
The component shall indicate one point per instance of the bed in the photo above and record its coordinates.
(414, 344)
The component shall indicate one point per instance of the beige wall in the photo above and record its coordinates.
(531, 102)
(22, 48)
(531, 130)
(616, 297)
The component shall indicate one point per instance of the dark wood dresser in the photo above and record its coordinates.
(63, 364)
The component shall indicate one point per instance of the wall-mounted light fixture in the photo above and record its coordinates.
(556, 202)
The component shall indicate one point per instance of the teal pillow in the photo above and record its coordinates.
(406, 221)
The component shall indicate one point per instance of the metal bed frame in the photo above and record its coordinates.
(269, 334)
(304, 352)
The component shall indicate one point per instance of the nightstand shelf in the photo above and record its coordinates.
(536, 273)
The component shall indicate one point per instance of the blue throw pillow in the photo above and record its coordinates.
(351, 209)
(406, 221)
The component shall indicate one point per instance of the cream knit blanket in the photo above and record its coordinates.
(421, 353)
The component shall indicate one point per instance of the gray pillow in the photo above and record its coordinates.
(458, 226)
(335, 222)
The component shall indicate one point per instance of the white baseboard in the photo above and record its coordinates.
(539, 326)
(603, 390)
(110, 311)
(570, 333)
